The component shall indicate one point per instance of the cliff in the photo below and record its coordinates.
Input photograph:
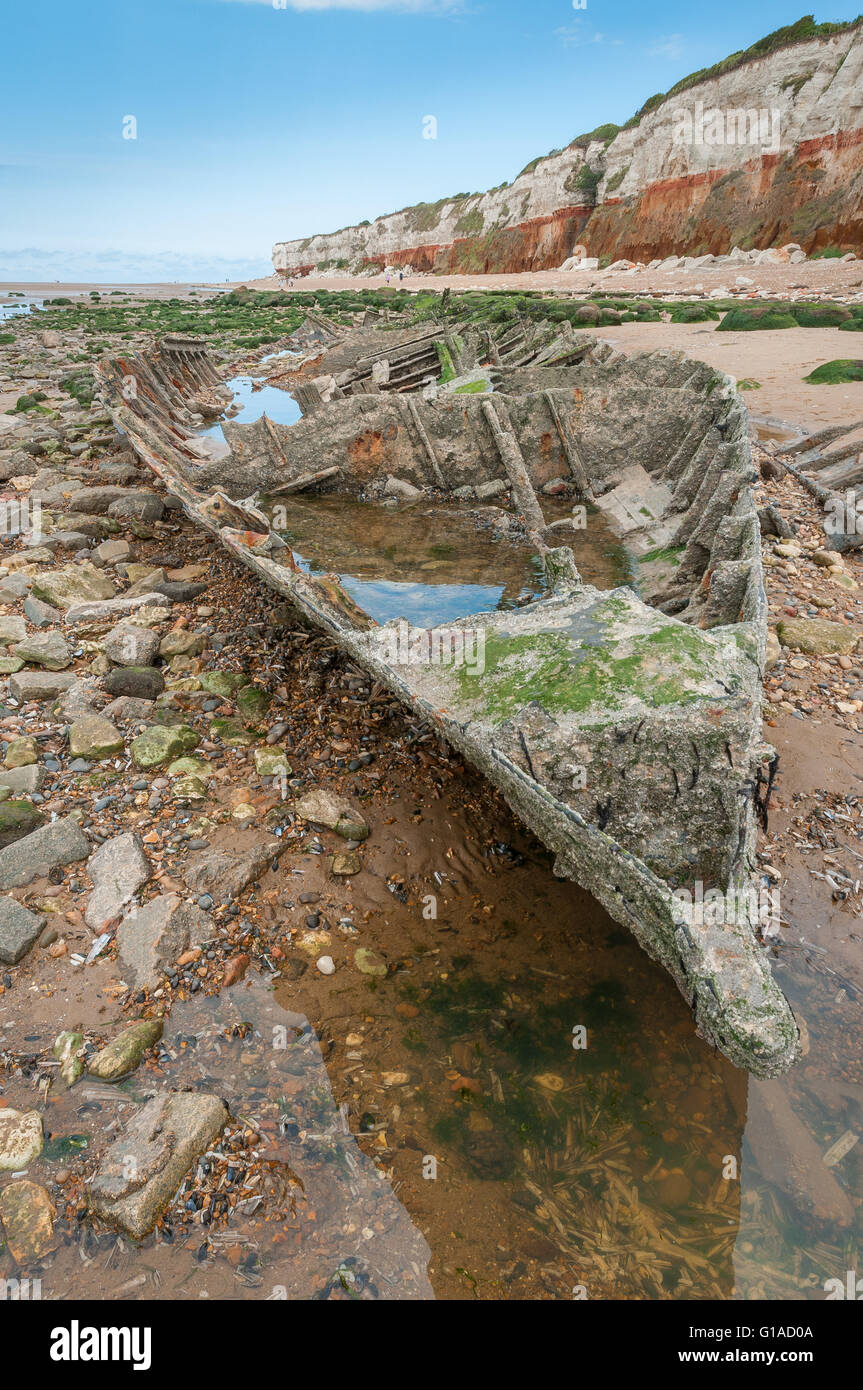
(762, 149)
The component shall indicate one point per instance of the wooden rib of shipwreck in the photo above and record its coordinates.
(622, 726)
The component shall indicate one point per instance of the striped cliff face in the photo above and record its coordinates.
(767, 153)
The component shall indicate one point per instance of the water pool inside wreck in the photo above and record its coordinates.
(506, 1098)
(433, 1130)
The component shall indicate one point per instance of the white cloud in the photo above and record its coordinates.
(670, 46)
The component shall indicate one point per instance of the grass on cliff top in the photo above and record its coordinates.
(837, 372)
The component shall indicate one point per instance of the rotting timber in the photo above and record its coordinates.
(622, 726)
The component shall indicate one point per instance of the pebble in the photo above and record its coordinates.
(326, 965)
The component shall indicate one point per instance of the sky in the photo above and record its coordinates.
(179, 139)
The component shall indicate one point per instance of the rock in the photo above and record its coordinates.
(124, 1053)
(20, 1139)
(368, 963)
(48, 649)
(253, 702)
(145, 1165)
(130, 645)
(143, 578)
(224, 873)
(179, 642)
(95, 501)
(9, 665)
(225, 684)
(178, 591)
(113, 552)
(14, 586)
(61, 842)
(817, 636)
(91, 612)
(235, 969)
(39, 685)
(78, 700)
(67, 1048)
(773, 651)
(189, 789)
(398, 487)
(27, 1214)
(232, 733)
(94, 736)
(345, 864)
(20, 752)
(151, 938)
(140, 506)
(189, 767)
(117, 869)
(12, 629)
(493, 488)
(271, 762)
(17, 819)
(326, 965)
(161, 743)
(41, 614)
(136, 682)
(335, 812)
(27, 779)
(129, 709)
(19, 930)
(74, 584)
(773, 523)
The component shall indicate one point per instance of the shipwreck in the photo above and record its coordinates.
(623, 723)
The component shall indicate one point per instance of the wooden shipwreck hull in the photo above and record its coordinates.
(622, 726)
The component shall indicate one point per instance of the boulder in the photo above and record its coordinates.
(146, 1163)
(17, 819)
(335, 812)
(138, 506)
(94, 736)
(161, 743)
(61, 842)
(72, 584)
(130, 645)
(48, 649)
(224, 873)
(39, 685)
(817, 636)
(150, 938)
(140, 683)
(19, 930)
(27, 779)
(117, 870)
(20, 1139)
(27, 1215)
(124, 1053)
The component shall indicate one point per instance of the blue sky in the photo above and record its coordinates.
(263, 120)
